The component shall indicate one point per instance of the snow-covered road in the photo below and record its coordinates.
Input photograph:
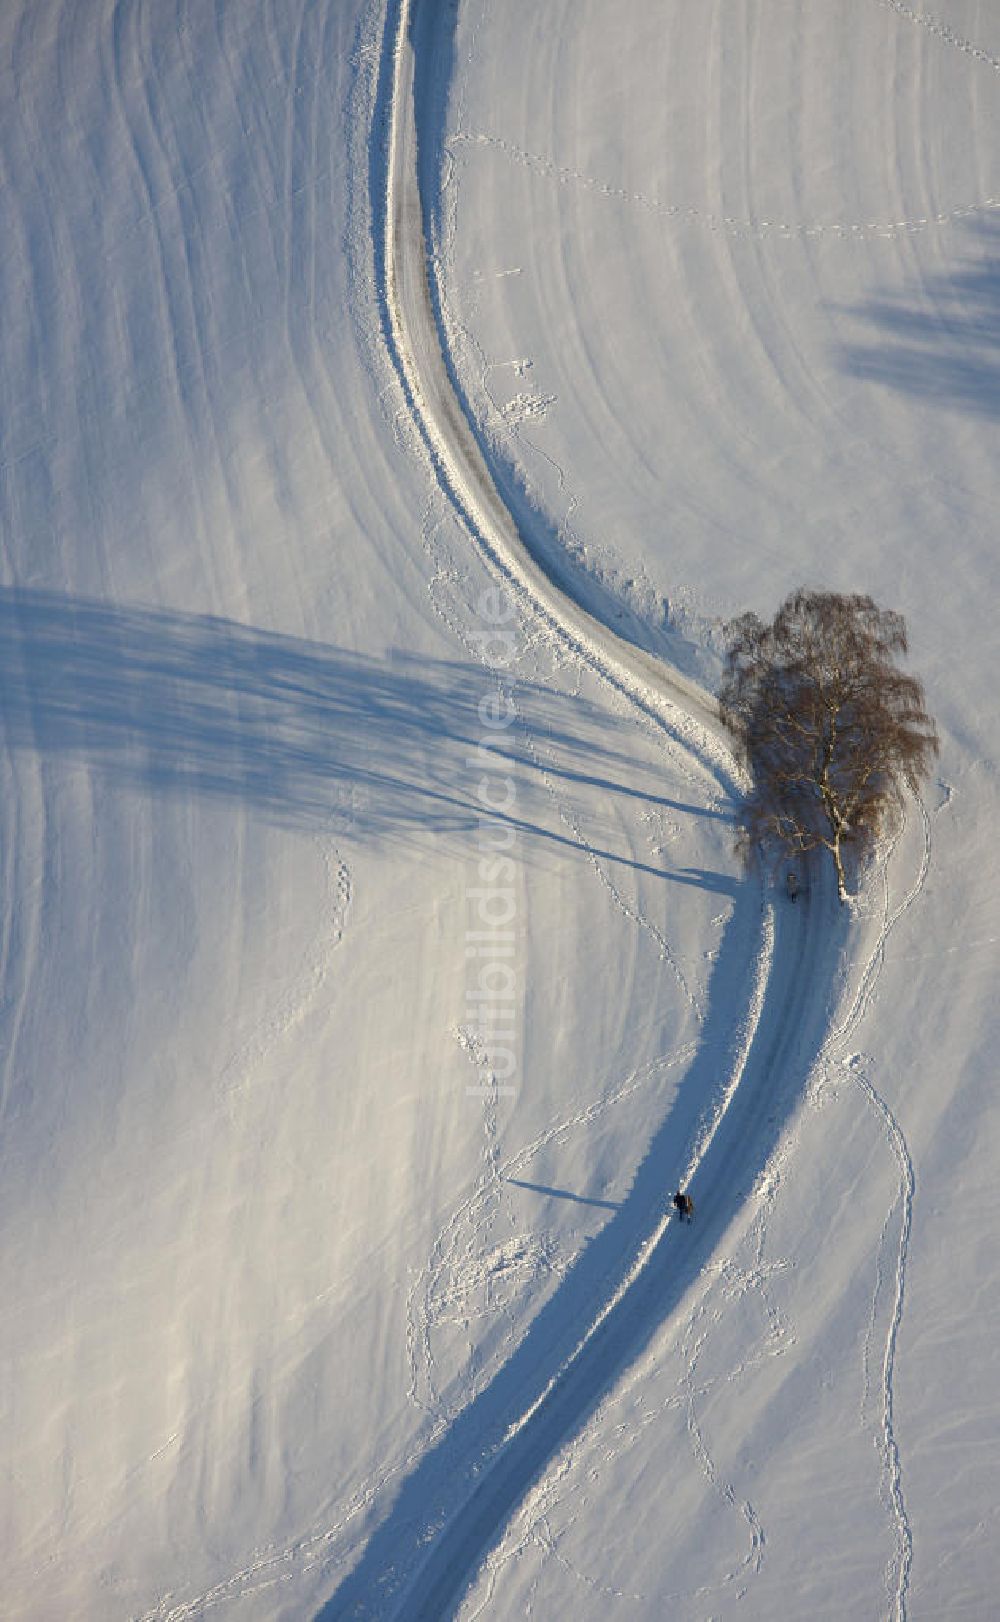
(507, 1435)
(786, 1040)
(513, 540)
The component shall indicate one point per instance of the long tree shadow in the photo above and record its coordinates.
(943, 345)
(303, 734)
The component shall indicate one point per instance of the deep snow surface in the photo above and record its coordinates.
(282, 1265)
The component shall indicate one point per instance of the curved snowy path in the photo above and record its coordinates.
(510, 533)
(789, 1035)
(468, 1485)
(768, 1011)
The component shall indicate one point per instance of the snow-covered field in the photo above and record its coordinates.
(375, 960)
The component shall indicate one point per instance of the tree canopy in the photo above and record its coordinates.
(830, 727)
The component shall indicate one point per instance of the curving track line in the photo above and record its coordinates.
(550, 589)
(536, 1406)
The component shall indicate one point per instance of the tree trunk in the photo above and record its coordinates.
(839, 865)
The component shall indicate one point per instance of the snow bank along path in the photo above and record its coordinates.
(683, 708)
(781, 1032)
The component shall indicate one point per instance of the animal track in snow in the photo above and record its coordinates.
(731, 224)
(948, 36)
(528, 407)
(291, 1007)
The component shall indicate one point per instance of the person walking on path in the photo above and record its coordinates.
(684, 1205)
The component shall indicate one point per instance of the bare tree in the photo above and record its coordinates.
(831, 729)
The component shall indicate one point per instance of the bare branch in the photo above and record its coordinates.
(831, 728)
